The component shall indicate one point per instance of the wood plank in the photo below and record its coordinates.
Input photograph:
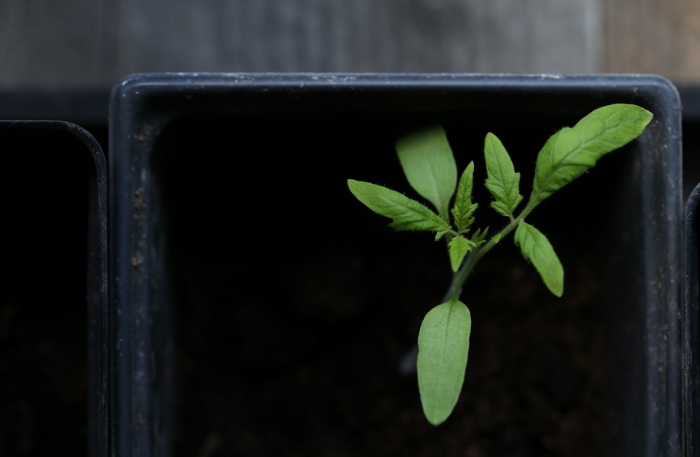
(362, 35)
(44, 42)
(96, 42)
(653, 36)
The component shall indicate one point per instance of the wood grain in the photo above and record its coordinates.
(96, 42)
(653, 36)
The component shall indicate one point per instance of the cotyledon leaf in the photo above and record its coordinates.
(406, 214)
(443, 347)
(429, 165)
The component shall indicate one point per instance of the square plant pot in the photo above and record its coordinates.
(690, 99)
(53, 292)
(259, 309)
(87, 108)
(691, 316)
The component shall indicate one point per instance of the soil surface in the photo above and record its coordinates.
(294, 304)
(43, 347)
(312, 368)
(43, 400)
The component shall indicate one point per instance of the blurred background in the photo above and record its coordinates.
(48, 44)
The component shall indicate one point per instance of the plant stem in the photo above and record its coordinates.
(455, 289)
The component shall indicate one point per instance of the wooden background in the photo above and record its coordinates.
(93, 43)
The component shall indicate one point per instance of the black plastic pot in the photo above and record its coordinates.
(53, 303)
(690, 96)
(255, 302)
(690, 316)
(87, 108)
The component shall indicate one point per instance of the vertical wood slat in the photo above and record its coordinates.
(653, 36)
(96, 42)
(43, 41)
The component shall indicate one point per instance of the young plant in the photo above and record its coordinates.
(429, 166)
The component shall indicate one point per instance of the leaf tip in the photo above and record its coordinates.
(435, 420)
(559, 292)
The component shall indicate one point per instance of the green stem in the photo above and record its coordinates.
(462, 274)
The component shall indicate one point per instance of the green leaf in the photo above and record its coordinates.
(537, 249)
(463, 208)
(406, 214)
(479, 236)
(429, 165)
(458, 248)
(443, 346)
(502, 181)
(440, 234)
(572, 151)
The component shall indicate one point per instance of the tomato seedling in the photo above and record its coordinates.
(429, 165)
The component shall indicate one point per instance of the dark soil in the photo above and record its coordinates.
(43, 375)
(294, 304)
(311, 367)
(43, 410)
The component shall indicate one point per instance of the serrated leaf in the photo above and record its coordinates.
(502, 181)
(463, 208)
(479, 236)
(443, 347)
(439, 235)
(536, 248)
(458, 249)
(429, 165)
(572, 151)
(406, 214)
